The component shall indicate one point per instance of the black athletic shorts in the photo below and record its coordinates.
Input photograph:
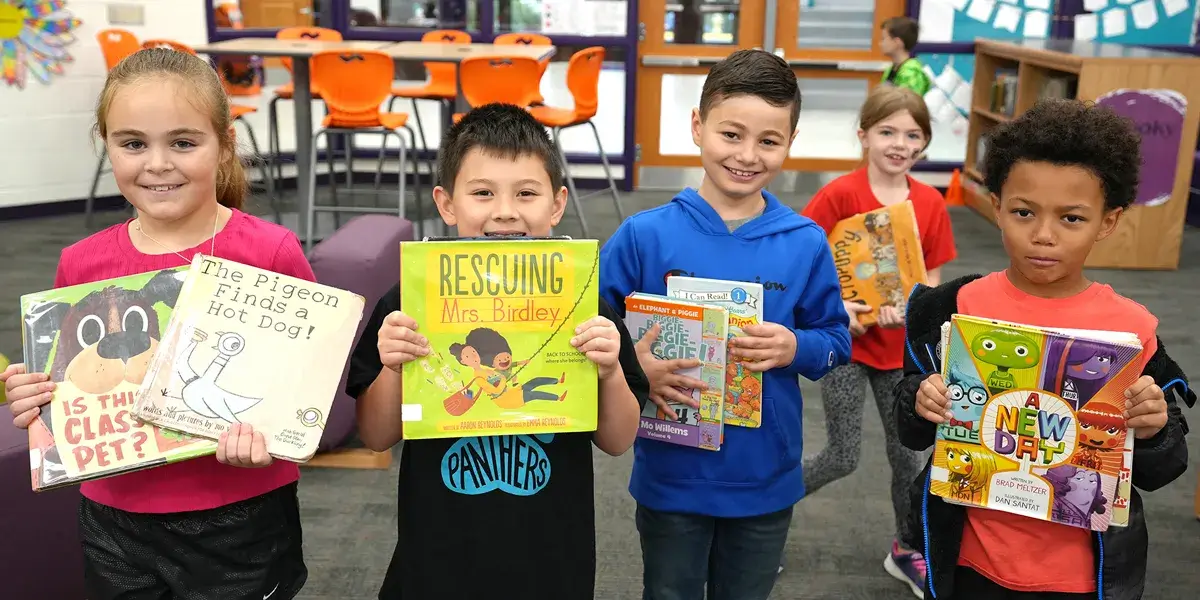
(249, 550)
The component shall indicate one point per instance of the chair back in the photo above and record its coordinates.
(524, 39)
(116, 44)
(170, 44)
(583, 80)
(504, 79)
(353, 85)
(306, 33)
(444, 75)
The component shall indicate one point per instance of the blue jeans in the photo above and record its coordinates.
(733, 559)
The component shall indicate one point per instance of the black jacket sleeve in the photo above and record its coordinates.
(1159, 460)
(365, 364)
(639, 384)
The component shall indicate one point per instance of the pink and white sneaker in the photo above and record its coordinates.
(908, 567)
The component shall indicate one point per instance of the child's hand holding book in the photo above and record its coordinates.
(765, 346)
(26, 393)
(242, 446)
(598, 340)
(1147, 412)
(399, 341)
(854, 309)
(665, 383)
(933, 404)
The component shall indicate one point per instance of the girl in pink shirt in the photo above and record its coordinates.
(218, 527)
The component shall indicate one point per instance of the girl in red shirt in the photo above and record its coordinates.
(205, 528)
(894, 131)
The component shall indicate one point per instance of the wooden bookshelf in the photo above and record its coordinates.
(1148, 237)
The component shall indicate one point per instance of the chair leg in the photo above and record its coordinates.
(273, 140)
(310, 202)
(572, 195)
(403, 183)
(379, 167)
(418, 192)
(264, 168)
(612, 184)
(330, 159)
(420, 128)
(89, 206)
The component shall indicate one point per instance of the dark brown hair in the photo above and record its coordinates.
(904, 29)
(502, 131)
(887, 100)
(208, 95)
(755, 73)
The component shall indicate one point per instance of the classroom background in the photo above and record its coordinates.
(626, 74)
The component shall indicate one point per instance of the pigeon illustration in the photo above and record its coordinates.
(201, 393)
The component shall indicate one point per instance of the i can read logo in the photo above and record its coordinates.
(514, 464)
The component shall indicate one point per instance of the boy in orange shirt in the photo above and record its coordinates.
(1060, 175)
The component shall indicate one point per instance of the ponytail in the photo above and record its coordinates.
(231, 176)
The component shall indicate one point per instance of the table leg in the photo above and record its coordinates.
(304, 147)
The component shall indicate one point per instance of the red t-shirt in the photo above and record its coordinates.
(997, 544)
(851, 195)
(200, 483)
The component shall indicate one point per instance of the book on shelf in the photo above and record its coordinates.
(1059, 86)
(499, 314)
(744, 301)
(688, 330)
(1037, 426)
(878, 258)
(1004, 92)
(248, 345)
(96, 342)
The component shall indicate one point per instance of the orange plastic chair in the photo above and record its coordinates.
(443, 79)
(583, 81)
(287, 91)
(528, 39)
(354, 84)
(503, 79)
(116, 44)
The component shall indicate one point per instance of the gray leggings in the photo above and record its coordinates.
(844, 393)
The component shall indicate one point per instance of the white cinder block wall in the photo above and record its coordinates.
(49, 153)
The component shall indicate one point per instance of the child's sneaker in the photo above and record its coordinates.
(908, 567)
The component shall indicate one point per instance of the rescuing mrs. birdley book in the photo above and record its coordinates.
(1037, 425)
(499, 315)
(687, 330)
(95, 341)
(252, 346)
(878, 258)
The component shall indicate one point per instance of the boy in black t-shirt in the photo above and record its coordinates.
(465, 530)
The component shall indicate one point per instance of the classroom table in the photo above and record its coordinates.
(300, 51)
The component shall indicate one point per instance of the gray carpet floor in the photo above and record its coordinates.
(838, 537)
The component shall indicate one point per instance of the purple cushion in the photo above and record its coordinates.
(363, 256)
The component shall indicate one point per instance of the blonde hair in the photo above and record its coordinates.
(208, 93)
(887, 100)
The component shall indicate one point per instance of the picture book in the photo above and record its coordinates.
(95, 341)
(687, 330)
(878, 258)
(499, 314)
(1037, 425)
(247, 345)
(744, 301)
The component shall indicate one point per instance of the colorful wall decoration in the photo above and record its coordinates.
(964, 20)
(34, 35)
(1158, 22)
(949, 102)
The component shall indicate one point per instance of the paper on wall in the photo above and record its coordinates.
(1037, 24)
(1114, 22)
(981, 10)
(1094, 5)
(1145, 15)
(1037, 4)
(937, 21)
(1007, 17)
(1085, 27)
(1174, 7)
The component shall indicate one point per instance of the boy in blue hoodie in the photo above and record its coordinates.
(719, 520)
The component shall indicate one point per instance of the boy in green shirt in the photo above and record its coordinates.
(897, 42)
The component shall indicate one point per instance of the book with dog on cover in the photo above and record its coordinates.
(248, 345)
(878, 258)
(96, 341)
(1037, 426)
(499, 314)
(687, 330)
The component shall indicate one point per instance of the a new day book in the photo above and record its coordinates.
(1038, 426)
(878, 258)
(95, 341)
(687, 330)
(247, 345)
(499, 314)
(744, 301)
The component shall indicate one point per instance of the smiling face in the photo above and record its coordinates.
(893, 144)
(1006, 349)
(743, 142)
(498, 196)
(163, 149)
(1050, 216)
(1093, 369)
(502, 361)
(958, 462)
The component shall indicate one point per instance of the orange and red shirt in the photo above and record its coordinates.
(851, 195)
(997, 544)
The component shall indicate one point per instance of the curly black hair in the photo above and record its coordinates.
(1069, 133)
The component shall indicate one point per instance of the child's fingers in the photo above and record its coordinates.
(1139, 386)
(222, 445)
(1154, 421)
(683, 381)
(761, 365)
(399, 319)
(929, 410)
(258, 450)
(1148, 393)
(596, 321)
(648, 339)
(754, 355)
(17, 380)
(678, 364)
(24, 419)
(750, 342)
(670, 394)
(27, 397)
(245, 443)
(597, 331)
(1147, 407)
(663, 406)
(597, 344)
(10, 370)
(402, 347)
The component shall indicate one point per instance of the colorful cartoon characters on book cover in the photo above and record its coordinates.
(96, 342)
(1037, 425)
(247, 345)
(686, 331)
(499, 316)
(744, 301)
(878, 258)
